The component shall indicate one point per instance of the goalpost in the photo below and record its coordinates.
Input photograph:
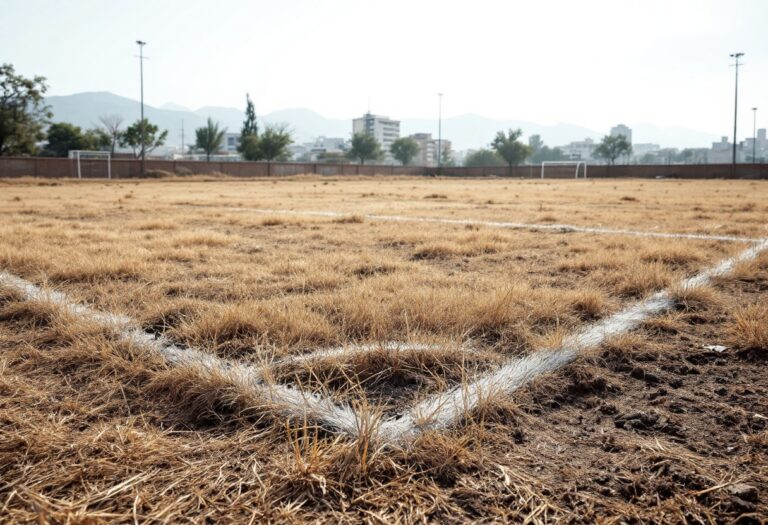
(90, 160)
(566, 164)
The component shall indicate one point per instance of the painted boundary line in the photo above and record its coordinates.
(435, 412)
(441, 410)
(562, 228)
(284, 400)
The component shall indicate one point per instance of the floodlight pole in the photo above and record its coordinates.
(439, 132)
(141, 123)
(754, 135)
(735, 56)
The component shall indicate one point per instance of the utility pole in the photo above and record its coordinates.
(754, 135)
(735, 56)
(439, 132)
(141, 124)
(182, 138)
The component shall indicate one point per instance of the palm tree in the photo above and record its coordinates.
(210, 138)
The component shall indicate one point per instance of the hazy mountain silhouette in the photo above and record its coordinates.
(464, 131)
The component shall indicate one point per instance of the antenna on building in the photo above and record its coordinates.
(369, 104)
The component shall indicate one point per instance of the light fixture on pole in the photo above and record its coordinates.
(754, 135)
(439, 132)
(736, 57)
(141, 122)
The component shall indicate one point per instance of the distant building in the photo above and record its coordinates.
(622, 131)
(312, 151)
(757, 147)
(643, 152)
(384, 130)
(428, 155)
(579, 150)
(231, 142)
(722, 152)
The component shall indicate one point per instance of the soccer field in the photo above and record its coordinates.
(383, 350)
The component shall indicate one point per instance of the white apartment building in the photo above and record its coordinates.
(384, 130)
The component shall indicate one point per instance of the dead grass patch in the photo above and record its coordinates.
(749, 327)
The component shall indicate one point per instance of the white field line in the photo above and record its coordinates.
(563, 228)
(352, 350)
(288, 401)
(435, 412)
(441, 410)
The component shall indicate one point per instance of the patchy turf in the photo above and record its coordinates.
(652, 426)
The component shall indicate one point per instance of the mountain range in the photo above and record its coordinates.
(464, 131)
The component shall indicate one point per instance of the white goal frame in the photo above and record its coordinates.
(576, 163)
(77, 154)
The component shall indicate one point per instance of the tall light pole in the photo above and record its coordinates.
(141, 123)
(735, 56)
(439, 132)
(754, 135)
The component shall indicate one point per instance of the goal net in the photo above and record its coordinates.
(92, 164)
(564, 168)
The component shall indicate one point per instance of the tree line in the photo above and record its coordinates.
(25, 123)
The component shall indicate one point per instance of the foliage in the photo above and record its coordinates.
(131, 137)
(63, 137)
(250, 125)
(23, 113)
(332, 157)
(483, 157)
(210, 138)
(273, 143)
(111, 127)
(447, 158)
(613, 147)
(364, 147)
(546, 153)
(404, 149)
(509, 147)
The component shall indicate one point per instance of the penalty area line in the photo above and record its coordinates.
(561, 228)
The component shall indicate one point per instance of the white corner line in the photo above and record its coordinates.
(435, 412)
(291, 402)
(442, 410)
(561, 228)
(351, 350)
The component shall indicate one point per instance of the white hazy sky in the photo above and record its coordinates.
(593, 63)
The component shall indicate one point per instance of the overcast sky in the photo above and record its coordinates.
(593, 63)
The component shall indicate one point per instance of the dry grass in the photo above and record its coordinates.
(749, 328)
(96, 429)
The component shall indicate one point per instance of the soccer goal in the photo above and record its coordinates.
(92, 164)
(564, 168)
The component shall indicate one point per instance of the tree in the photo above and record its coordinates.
(210, 138)
(249, 148)
(404, 149)
(546, 153)
(483, 157)
(23, 112)
(613, 147)
(447, 158)
(63, 137)
(111, 126)
(509, 148)
(273, 143)
(132, 137)
(364, 147)
(250, 125)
